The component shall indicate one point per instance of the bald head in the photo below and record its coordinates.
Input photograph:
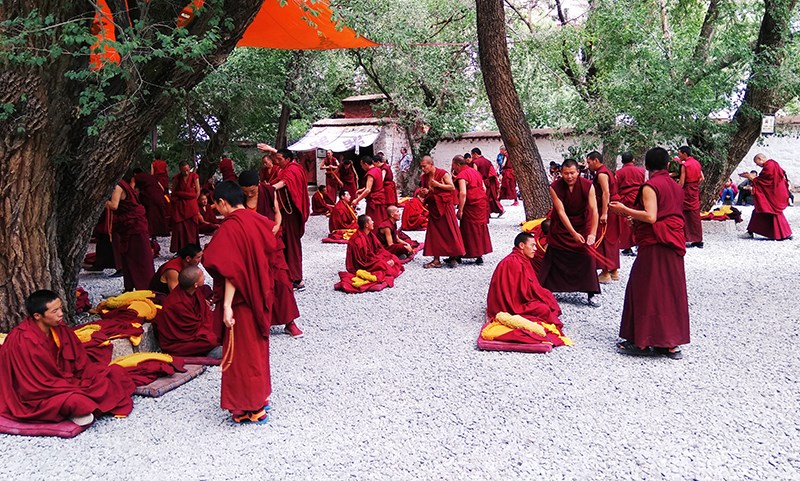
(426, 159)
(190, 278)
(391, 210)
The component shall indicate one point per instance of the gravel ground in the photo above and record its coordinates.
(389, 385)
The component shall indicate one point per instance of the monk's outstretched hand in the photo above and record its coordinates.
(617, 207)
(579, 238)
(227, 316)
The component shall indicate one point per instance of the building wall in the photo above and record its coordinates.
(390, 141)
(550, 148)
(784, 148)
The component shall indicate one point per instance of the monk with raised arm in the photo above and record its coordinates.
(348, 176)
(605, 188)
(473, 210)
(185, 223)
(771, 197)
(46, 376)
(185, 323)
(690, 178)
(629, 179)
(131, 236)
(442, 237)
(655, 316)
(238, 259)
(331, 167)
(568, 264)
(372, 191)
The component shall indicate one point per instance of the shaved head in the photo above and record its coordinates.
(391, 209)
(189, 277)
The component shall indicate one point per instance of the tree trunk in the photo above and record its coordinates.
(283, 125)
(514, 129)
(55, 175)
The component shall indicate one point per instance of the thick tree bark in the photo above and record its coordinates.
(283, 126)
(507, 109)
(54, 175)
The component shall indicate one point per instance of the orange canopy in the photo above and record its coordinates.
(299, 25)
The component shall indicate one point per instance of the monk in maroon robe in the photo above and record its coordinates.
(292, 193)
(365, 252)
(238, 259)
(331, 167)
(131, 235)
(185, 323)
(415, 215)
(372, 191)
(342, 215)
(104, 249)
(489, 174)
(269, 171)
(321, 203)
(515, 289)
(262, 198)
(185, 223)
(508, 184)
(208, 215)
(393, 240)
(568, 264)
(165, 280)
(443, 236)
(605, 188)
(151, 196)
(771, 197)
(389, 186)
(629, 179)
(46, 376)
(655, 316)
(473, 210)
(227, 170)
(690, 178)
(159, 169)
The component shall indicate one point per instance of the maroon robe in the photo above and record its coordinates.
(376, 199)
(474, 225)
(693, 228)
(132, 241)
(332, 181)
(567, 265)
(50, 379)
(240, 253)
(185, 211)
(175, 264)
(104, 249)
(442, 237)
(397, 235)
(771, 197)
(489, 175)
(321, 204)
(415, 215)
(609, 245)
(226, 169)
(656, 308)
(151, 196)
(269, 175)
(342, 217)
(161, 173)
(294, 204)
(364, 251)
(515, 289)
(508, 186)
(209, 215)
(185, 324)
(389, 186)
(348, 178)
(629, 179)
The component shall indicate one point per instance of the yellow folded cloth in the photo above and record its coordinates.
(493, 330)
(85, 332)
(124, 299)
(145, 308)
(519, 322)
(366, 275)
(358, 282)
(528, 226)
(134, 359)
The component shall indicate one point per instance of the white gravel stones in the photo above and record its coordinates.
(389, 385)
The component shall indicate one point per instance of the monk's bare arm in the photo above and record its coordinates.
(172, 279)
(116, 196)
(603, 180)
(387, 234)
(593, 217)
(462, 195)
(650, 212)
(227, 304)
(364, 192)
(445, 184)
(277, 210)
(682, 178)
(279, 185)
(196, 188)
(562, 214)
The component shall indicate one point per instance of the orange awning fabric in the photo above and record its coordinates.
(300, 25)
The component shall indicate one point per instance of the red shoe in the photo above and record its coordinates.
(293, 330)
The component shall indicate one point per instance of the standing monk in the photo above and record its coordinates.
(185, 211)
(771, 197)
(292, 191)
(605, 188)
(568, 265)
(159, 169)
(131, 235)
(331, 166)
(348, 177)
(151, 195)
(226, 169)
(473, 210)
(629, 179)
(690, 178)
(508, 185)
(489, 174)
(238, 259)
(373, 191)
(389, 187)
(443, 237)
(655, 316)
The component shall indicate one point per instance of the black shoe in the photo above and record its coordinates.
(479, 261)
(699, 245)
(117, 273)
(299, 286)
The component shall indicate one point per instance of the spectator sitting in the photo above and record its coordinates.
(727, 195)
(746, 192)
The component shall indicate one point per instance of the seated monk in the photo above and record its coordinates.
(415, 215)
(185, 324)
(515, 289)
(321, 203)
(365, 252)
(46, 376)
(166, 277)
(208, 214)
(343, 216)
(393, 240)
